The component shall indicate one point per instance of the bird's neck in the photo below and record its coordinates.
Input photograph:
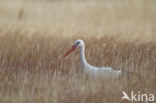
(83, 61)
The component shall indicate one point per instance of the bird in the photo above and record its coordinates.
(88, 69)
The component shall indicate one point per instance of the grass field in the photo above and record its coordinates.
(34, 35)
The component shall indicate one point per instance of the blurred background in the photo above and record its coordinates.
(81, 17)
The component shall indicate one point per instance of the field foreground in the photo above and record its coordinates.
(32, 45)
(32, 70)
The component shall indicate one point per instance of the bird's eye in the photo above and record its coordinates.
(77, 43)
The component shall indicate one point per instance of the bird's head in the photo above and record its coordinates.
(78, 43)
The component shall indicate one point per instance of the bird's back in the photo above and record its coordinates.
(106, 72)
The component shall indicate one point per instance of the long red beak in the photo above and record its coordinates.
(69, 51)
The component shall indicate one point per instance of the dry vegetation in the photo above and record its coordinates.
(35, 34)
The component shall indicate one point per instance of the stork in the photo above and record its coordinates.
(88, 69)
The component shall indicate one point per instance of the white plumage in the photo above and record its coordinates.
(90, 70)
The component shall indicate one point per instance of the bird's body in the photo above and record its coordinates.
(89, 69)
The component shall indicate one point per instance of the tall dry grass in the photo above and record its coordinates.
(35, 34)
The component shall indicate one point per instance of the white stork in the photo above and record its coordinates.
(88, 69)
